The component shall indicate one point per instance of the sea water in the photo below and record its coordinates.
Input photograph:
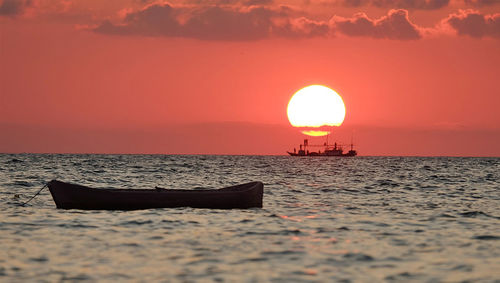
(324, 220)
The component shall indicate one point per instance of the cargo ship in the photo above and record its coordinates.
(328, 150)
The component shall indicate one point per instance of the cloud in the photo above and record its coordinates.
(402, 4)
(481, 2)
(214, 23)
(219, 2)
(14, 7)
(246, 23)
(304, 27)
(474, 24)
(230, 24)
(257, 2)
(395, 25)
(154, 20)
(33, 8)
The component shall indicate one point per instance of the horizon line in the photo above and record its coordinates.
(216, 154)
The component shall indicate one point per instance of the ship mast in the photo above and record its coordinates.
(352, 145)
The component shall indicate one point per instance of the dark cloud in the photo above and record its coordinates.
(481, 2)
(412, 4)
(229, 24)
(226, 2)
(244, 23)
(395, 25)
(257, 2)
(355, 3)
(214, 23)
(402, 4)
(475, 24)
(254, 23)
(14, 7)
(155, 20)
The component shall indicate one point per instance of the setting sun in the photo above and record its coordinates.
(315, 107)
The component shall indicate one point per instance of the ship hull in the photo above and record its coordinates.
(314, 154)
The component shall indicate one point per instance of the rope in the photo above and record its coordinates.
(35, 195)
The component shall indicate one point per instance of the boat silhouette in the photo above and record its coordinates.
(328, 150)
(73, 196)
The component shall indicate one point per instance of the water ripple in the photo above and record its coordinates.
(324, 220)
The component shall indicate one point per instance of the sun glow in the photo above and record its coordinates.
(315, 107)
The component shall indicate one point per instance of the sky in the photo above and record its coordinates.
(418, 77)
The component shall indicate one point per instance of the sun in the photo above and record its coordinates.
(314, 108)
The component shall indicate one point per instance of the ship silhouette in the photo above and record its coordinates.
(328, 150)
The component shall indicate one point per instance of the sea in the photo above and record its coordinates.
(324, 219)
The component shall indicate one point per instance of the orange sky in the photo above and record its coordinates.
(418, 77)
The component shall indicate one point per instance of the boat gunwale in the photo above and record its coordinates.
(235, 188)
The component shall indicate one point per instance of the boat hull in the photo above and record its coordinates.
(72, 196)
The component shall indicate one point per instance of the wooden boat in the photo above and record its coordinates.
(72, 196)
